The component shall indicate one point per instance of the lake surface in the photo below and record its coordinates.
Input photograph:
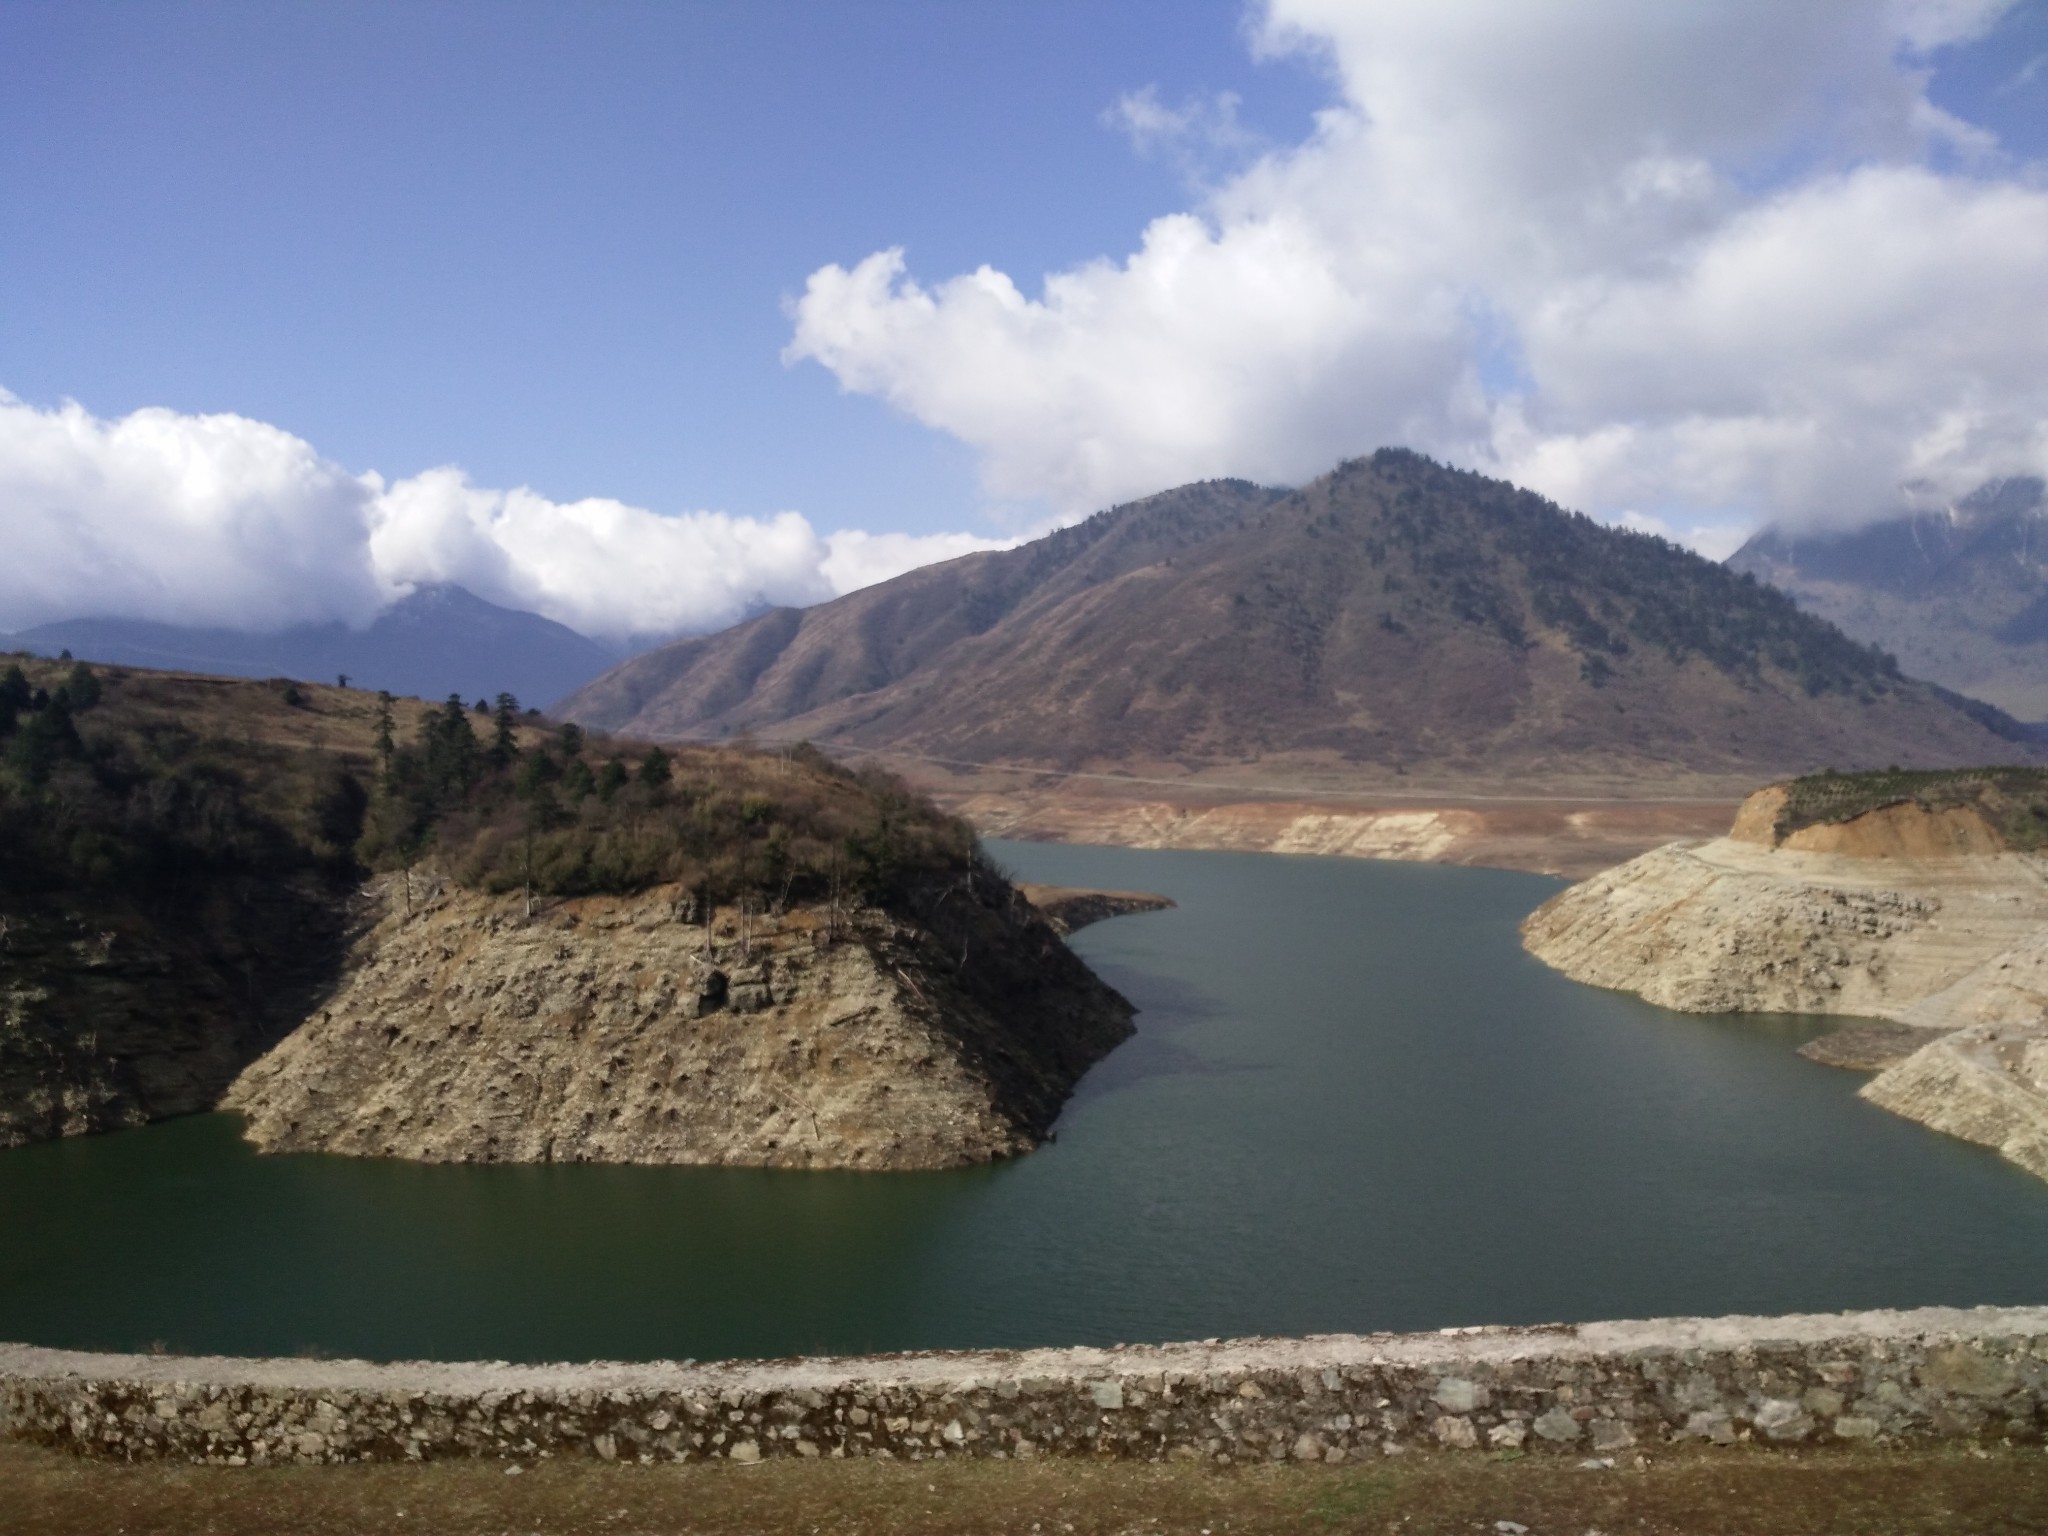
(1353, 1104)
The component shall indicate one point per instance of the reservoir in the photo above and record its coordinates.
(1353, 1104)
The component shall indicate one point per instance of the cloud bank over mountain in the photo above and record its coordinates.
(1684, 263)
(221, 520)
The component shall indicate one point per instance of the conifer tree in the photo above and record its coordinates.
(385, 743)
(505, 736)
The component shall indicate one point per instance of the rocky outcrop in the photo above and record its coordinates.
(114, 1013)
(1914, 916)
(1553, 835)
(1070, 909)
(629, 1029)
(1565, 1390)
(1987, 1084)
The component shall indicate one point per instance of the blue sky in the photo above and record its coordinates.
(354, 295)
(552, 243)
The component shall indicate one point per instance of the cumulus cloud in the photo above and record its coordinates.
(220, 520)
(1713, 263)
(180, 518)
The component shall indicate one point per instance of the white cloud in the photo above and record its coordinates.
(188, 519)
(1713, 245)
(220, 520)
(855, 559)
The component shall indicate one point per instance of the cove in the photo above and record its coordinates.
(1353, 1104)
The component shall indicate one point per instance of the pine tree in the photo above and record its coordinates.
(505, 737)
(385, 743)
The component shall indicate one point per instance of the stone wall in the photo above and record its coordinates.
(1591, 1390)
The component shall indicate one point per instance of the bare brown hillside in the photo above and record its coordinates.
(1394, 617)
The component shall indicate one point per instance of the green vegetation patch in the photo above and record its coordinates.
(101, 788)
(2013, 800)
(578, 814)
(159, 786)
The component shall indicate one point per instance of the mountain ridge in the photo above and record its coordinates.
(1960, 594)
(1395, 615)
(437, 640)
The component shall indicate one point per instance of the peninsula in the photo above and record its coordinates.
(459, 932)
(1915, 899)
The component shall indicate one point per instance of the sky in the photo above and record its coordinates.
(644, 315)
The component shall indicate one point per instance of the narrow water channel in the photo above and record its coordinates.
(1353, 1104)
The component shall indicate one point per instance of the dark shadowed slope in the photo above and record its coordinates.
(439, 640)
(1959, 595)
(1393, 614)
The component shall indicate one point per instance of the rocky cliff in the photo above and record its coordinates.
(114, 1014)
(630, 1029)
(1923, 916)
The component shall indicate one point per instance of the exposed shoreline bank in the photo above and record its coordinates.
(1924, 918)
(1569, 836)
(1884, 1377)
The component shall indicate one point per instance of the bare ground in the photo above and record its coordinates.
(1990, 1492)
(1567, 827)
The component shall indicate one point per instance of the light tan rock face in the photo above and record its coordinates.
(600, 1030)
(1987, 1084)
(1733, 927)
(1956, 943)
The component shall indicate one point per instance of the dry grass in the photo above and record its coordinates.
(1699, 1493)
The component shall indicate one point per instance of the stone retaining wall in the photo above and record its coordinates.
(1595, 1389)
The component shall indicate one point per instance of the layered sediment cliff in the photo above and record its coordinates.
(1926, 917)
(628, 1029)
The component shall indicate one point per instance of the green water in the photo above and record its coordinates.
(1353, 1103)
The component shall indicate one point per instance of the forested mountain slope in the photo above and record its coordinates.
(1960, 596)
(1394, 614)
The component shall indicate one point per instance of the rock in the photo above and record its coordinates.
(1107, 1394)
(1558, 1427)
(1942, 938)
(1822, 1402)
(1966, 1372)
(1612, 1435)
(1451, 1430)
(1069, 909)
(1713, 1425)
(1454, 1394)
(467, 1034)
(1778, 1419)
(746, 1453)
(1869, 1047)
(1987, 1083)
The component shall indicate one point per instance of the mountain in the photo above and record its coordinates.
(1394, 615)
(438, 640)
(1959, 595)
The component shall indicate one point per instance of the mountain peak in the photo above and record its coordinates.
(1394, 614)
(1960, 595)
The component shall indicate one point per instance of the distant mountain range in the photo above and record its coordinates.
(1959, 595)
(1394, 615)
(438, 640)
